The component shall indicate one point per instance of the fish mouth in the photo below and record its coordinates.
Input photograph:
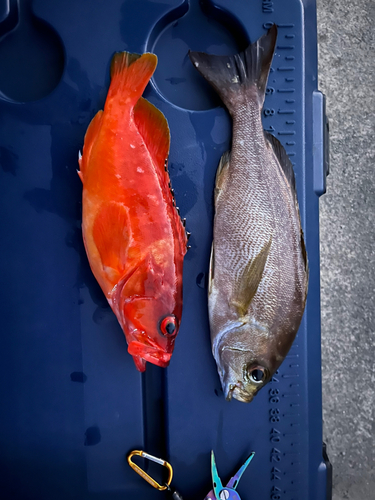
(236, 391)
(149, 353)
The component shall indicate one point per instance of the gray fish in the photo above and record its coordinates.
(258, 269)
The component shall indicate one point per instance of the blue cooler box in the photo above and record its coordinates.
(73, 404)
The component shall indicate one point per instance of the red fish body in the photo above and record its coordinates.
(134, 238)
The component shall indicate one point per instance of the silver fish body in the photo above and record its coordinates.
(258, 270)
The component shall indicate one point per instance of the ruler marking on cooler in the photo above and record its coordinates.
(284, 392)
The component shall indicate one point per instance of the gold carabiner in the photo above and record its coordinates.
(144, 474)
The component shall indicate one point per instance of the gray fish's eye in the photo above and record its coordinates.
(256, 374)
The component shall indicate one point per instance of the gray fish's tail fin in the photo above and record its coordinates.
(242, 73)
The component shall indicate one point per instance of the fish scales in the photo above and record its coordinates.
(258, 276)
(251, 215)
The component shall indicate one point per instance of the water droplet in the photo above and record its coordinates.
(92, 436)
(78, 377)
(202, 280)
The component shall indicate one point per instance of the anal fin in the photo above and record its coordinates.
(222, 174)
(90, 137)
(220, 182)
(211, 270)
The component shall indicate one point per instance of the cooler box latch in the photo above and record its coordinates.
(320, 142)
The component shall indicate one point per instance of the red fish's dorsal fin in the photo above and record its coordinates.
(153, 127)
(90, 136)
(130, 73)
(111, 237)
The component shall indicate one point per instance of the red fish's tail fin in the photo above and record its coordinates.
(130, 73)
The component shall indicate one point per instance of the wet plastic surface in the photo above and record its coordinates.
(73, 402)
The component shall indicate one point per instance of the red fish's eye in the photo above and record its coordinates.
(168, 325)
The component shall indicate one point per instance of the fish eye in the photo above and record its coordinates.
(256, 374)
(168, 325)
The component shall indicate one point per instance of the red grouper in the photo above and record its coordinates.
(134, 238)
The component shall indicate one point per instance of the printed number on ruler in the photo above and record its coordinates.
(275, 437)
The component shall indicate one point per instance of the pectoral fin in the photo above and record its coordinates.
(90, 138)
(250, 279)
(111, 237)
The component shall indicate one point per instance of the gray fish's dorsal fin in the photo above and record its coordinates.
(250, 279)
(304, 252)
(283, 158)
(288, 170)
(305, 259)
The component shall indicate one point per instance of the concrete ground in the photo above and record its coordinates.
(347, 77)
